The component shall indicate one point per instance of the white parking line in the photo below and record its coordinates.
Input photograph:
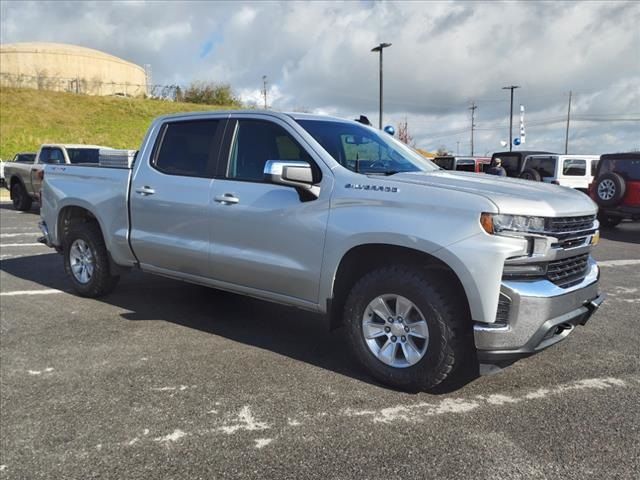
(619, 263)
(32, 254)
(10, 235)
(48, 291)
(22, 245)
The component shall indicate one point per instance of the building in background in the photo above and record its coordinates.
(69, 68)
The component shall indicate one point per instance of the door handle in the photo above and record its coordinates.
(227, 199)
(144, 191)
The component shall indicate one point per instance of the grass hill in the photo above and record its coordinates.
(29, 118)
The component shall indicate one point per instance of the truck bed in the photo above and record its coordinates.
(102, 191)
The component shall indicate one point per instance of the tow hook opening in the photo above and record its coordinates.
(562, 327)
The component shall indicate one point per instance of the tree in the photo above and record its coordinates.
(211, 93)
(403, 133)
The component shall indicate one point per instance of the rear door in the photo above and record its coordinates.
(574, 173)
(170, 197)
(265, 236)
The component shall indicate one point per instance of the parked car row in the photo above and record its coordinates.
(611, 180)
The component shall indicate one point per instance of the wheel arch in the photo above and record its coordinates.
(71, 214)
(13, 179)
(364, 258)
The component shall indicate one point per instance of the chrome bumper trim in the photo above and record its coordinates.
(541, 315)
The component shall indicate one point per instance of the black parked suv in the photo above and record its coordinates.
(616, 188)
(512, 161)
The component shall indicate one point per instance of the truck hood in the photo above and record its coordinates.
(510, 195)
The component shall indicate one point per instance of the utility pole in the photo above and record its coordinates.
(473, 125)
(264, 90)
(566, 138)
(512, 88)
(379, 48)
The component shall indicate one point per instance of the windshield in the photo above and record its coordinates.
(365, 150)
(83, 155)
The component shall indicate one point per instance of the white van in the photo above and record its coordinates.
(575, 171)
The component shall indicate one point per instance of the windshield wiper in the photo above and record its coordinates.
(386, 173)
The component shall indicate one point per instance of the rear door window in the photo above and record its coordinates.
(444, 162)
(466, 166)
(188, 148)
(573, 167)
(546, 166)
(628, 169)
(82, 155)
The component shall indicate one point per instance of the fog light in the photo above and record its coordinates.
(531, 270)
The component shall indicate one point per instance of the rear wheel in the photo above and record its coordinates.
(406, 329)
(86, 261)
(20, 198)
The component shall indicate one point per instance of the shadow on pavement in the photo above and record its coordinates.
(7, 205)
(294, 333)
(628, 232)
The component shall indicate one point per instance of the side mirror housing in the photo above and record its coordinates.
(291, 173)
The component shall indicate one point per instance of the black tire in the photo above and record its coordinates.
(20, 198)
(610, 189)
(101, 281)
(448, 346)
(531, 174)
(607, 221)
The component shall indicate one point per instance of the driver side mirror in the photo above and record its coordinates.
(291, 173)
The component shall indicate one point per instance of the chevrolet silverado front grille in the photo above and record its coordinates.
(569, 271)
(569, 224)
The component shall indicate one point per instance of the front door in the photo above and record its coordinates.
(170, 198)
(264, 236)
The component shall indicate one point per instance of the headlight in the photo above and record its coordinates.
(495, 223)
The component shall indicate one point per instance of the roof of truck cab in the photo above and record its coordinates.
(73, 145)
(266, 113)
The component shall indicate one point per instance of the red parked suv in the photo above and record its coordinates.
(616, 188)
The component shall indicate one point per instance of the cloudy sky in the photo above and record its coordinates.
(444, 56)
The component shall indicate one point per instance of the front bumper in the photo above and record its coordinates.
(540, 315)
(45, 238)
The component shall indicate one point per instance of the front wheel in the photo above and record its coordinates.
(406, 329)
(86, 261)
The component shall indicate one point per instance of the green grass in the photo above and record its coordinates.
(29, 118)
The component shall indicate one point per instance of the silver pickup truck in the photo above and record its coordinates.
(24, 178)
(423, 268)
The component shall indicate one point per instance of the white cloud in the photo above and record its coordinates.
(444, 55)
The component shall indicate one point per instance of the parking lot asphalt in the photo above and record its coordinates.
(163, 379)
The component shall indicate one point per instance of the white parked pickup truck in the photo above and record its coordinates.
(423, 268)
(24, 178)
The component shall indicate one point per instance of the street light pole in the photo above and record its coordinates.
(379, 48)
(512, 88)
